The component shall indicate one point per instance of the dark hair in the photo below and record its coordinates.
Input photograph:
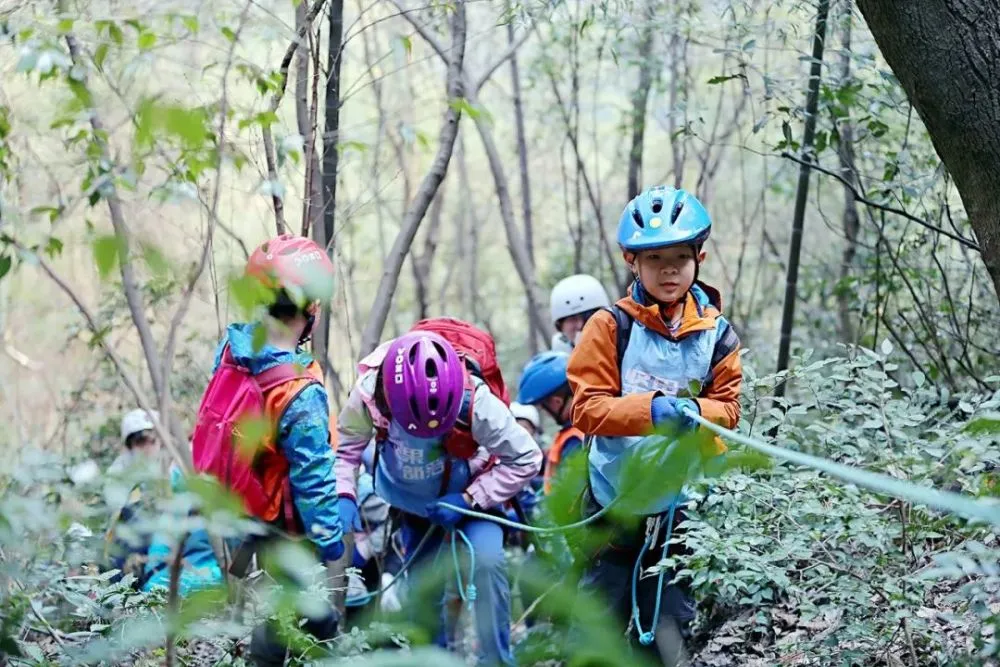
(134, 438)
(284, 308)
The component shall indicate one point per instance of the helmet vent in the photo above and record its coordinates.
(638, 218)
(657, 205)
(432, 404)
(676, 213)
(412, 356)
(430, 369)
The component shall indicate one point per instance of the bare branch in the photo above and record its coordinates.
(109, 350)
(882, 207)
(213, 216)
(502, 58)
(286, 60)
(272, 177)
(425, 33)
(428, 188)
(129, 282)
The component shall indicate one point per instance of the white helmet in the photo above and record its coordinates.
(528, 413)
(135, 421)
(577, 294)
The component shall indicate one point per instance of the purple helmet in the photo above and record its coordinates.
(424, 381)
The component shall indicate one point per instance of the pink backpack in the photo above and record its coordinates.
(234, 437)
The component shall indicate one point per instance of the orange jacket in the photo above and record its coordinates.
(594, 375)
(271, 462)
(554, 456)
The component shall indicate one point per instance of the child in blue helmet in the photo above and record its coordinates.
(663, 352)
(544, 383)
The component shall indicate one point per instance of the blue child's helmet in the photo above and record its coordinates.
(543, 376)
(662, 216)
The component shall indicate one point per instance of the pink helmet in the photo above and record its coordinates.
(424, 381)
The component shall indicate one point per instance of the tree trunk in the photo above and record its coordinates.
(518, 250)
(423, 261)
(470, 235)
(305, 118)
(850, 221)
(323, 234)
(802, 193)
(522, 159)
(951, 80)
(428, 187)
(640, 99)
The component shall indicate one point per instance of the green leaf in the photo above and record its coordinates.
(116, 33)
(6, 261)
(821, 141)
(54, 247)
(407, 45)
(146, 41)
(786, 131)
(725, 77)
(108, 251)
(229, 34)
(249, 293)
(191, 23)
(155, 260)
(259, 339)
(985, 425)
(64, 26)
(101, 54)
(462, 105)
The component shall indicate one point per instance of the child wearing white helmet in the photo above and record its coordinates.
(138, 438)
(573, 300)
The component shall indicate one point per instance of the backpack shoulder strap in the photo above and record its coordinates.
(623, 330)
(280, 374)
(465, 413)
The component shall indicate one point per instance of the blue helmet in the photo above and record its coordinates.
(544, 375)
(662, 216)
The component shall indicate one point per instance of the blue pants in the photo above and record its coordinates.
(492, 604)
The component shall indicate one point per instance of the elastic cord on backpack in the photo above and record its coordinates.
(467, 593)
(647, 638)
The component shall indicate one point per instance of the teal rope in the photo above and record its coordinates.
(947, 501)
(467, 593)
(525, 527)
(646, 638)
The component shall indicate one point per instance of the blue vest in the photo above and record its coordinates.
(410, 470)
(652, 362)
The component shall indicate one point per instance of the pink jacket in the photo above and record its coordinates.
(518, 458)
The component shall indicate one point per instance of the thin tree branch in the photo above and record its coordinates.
(428, 188)
(286, 60)
(272, 178)
(185, 303)
(882, 207)
(502, 58)
(130, 382)
(129, 281)
(422, 30)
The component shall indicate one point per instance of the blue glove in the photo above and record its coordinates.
(350, 520)
(444, 516)
(667, 409)
(332, 552)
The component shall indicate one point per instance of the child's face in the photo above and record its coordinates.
(572, 326)
(667, 273)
